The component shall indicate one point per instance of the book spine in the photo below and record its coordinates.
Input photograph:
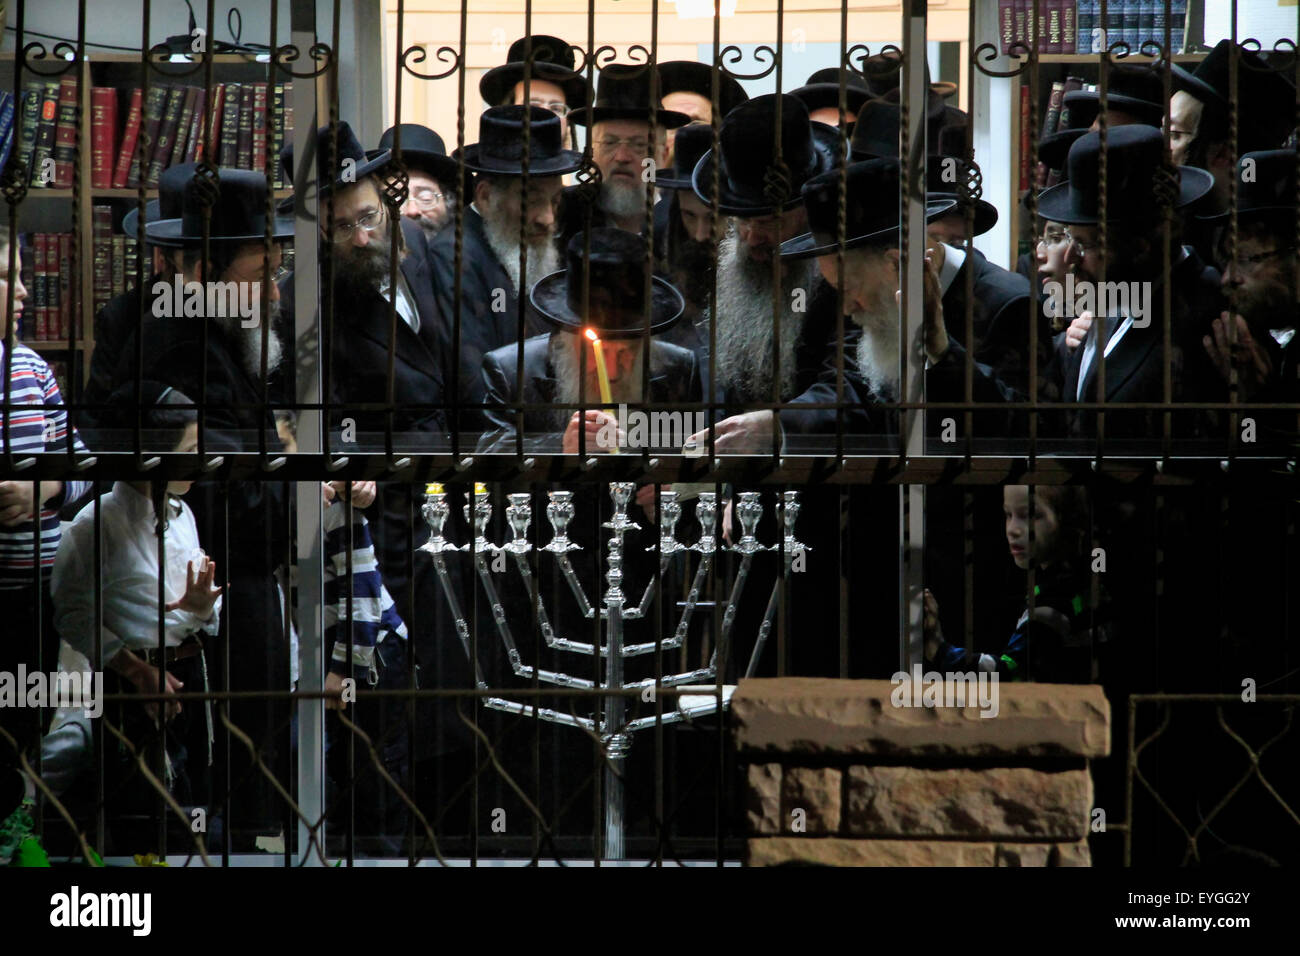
(1147, 22)
(102, 245)
(8, 126)
(65, 284)
(244, 149)
(43, 151)
(119, 265)
(1178, 25)
(166, 138)
(195, 135)
(1021, 17)
(1069, 28)
(39, 300)
(259, 127)
(276, 118)
(1132, 23)
(286, 131)
(132, 263)
(1053, 17)
(1006, 24)
(130, 137)
(1085, 19)
(65, 133)
(1026, 147)
(1040, 25)
(1053, 115)
(230, 126)
(183, 127)
(103, 124)
(33, 97)
(154, 104)
(1113, 23)
(1071, 84)
(211, 147)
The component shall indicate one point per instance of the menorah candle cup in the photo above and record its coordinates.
(519, 514)
(670, 511)
(482, 515)
(749, 510)
(792, 544)
(621, 493)
(559, 512)
(706, 509)
(435, 511)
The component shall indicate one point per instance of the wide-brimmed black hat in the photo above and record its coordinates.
(615, 289)
(553, 61)
(745, 140)
(823, 90)
(876, 132)
(1134, 157)
(338, 170)
(871, 209)
(882, 76)
(422, 149)
(691, 76)
(1133, 88)
(238, 215)
(623, 92)
(1074, 122)
(1266, 184)
(500, 148)
(1265, 97)
(692, 142)
(952, 148)
(171, 189)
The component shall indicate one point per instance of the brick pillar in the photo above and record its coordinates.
(839, 773)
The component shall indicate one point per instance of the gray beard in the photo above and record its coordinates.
(565, 365)
(877, 356)
(247, 343)
(744, 320)
(502, 235)
(622, 201)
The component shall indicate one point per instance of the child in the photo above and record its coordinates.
(127, 567)
(36, 422)
(1057, 643)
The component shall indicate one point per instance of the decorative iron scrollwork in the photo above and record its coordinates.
(289, 53)
(35, 52)
(873, 66)
(418, 54)
(1285, 61)
(988, 52)
(734, 54)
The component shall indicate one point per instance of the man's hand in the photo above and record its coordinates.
(334, 692)
(739, 434)
(363, 492)
(200, 596)
(17, 503)
(1078, 331)
(934, 336)
(147, 680)
(1251, 359)
(595, 421)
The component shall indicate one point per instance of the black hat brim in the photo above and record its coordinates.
(808, 246)
(1055, 204)
(130, 222)
(818, 96)
(667, 119)
(550, 297)
(497, 82)
(826, 146)
(172, 232)
(566, 161)
(1055, 147)
(986, 214)
(1184, 80)
(442, 168)
(1151, 113)
(690, 76)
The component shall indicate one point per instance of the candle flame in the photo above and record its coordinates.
(591, 334)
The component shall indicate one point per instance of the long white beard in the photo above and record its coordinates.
(878, 351)
(503, 239)
(621, 201)
(744, 320)
(247, 342)
(564, 361)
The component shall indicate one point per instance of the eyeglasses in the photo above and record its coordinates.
(1052, 239)
(1079, 246)
(343, 231)
(610, 144)
(426, 198)
(556, 107)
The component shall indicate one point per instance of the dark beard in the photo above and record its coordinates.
(693, 264)
(360, 272)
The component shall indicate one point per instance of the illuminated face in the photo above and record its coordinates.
(698, 108)
(1184, 120)
(188, 444)
(547, 95)
(1015, 509)
(1051, 252)
(425, 200)
(501, 200)
(696, 216)
(830, 115)
(1260, 280)
(621, 147)
(19, 291)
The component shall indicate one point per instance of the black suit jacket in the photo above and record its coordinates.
(675, 378)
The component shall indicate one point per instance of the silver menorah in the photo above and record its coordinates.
(613, 730)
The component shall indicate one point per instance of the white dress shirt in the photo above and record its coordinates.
(405, 301)
(953, 258)
(128, 570)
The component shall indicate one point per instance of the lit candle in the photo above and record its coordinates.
(433, 488)
(602, 375)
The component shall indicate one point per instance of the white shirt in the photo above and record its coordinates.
(128, 563)
(1090, 351)
(405, 301)
(952, 262)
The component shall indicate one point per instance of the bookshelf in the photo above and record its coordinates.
(64, 210)
(1053, 67)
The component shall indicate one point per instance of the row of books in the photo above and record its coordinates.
(115, 258)
(1077, 26)
(53, 302)
(175, 123)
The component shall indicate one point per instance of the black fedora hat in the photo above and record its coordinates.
(882, 75)
(553, 61)
(1266, 185)
(500, 149)
(238, 215)
(952, 146)
(871, 209)
(1055, 146)
(1265, 97)
(337, 171)
(1134, 88)
(745, 142)
(615, 289)
(623, 92)
(1135, 155)
(692, 142)
(422, 149)
(691, 76)
(171, 189)
(822, 90)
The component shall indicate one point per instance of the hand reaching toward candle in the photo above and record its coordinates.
(596, 420)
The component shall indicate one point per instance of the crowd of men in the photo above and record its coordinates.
(759, 275)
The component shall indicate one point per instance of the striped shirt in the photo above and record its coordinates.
(374, 615)
(38, 422)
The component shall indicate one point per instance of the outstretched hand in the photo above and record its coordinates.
(200, 596)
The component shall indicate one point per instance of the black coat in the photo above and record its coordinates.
(115, 324)
(677, 379)
(488, 307)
